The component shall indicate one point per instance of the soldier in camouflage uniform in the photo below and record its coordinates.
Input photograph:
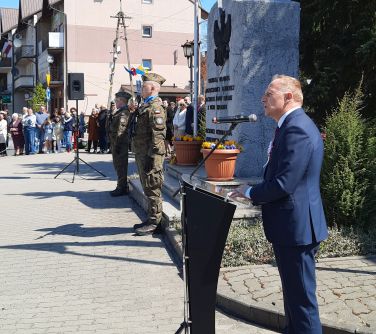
(149, 148)
(118, 134)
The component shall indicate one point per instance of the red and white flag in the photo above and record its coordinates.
(7, 48)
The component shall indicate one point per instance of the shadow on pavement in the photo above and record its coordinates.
(91, 198)
(61, 248)
(344, 270)
(14, 177)
(76, 230)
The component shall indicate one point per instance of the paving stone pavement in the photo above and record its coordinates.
(346, 290)
(69, 262)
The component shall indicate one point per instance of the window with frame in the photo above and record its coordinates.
(147, 31)
(147, 64)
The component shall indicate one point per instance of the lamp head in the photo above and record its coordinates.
(50, 59)
(17, 42)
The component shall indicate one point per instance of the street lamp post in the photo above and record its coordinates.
(16, 43)
(188, 49)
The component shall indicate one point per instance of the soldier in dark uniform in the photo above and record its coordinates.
(118, 134)
(149, 148)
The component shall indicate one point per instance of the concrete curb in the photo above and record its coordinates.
(258, 313)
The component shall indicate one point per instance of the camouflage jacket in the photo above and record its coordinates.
(118, 126)
(150, 129)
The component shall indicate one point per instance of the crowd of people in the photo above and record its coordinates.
(41, 132)
(38, 132)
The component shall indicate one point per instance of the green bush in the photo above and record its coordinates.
(201, 131)
(370, 202)
(39, 97)
(346, 177)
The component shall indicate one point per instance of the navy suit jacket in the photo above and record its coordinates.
(292, 209)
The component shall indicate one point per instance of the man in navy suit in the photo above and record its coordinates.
(292, 211)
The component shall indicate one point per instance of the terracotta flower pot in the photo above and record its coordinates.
(187, 152)
(221, 164)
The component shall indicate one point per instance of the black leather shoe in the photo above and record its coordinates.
(146, 229)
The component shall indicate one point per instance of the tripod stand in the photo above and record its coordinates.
(77, 158)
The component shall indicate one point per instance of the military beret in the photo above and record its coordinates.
(153, 77)
(122, 94)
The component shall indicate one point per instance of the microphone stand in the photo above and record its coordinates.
(221, 140)
(186, 325)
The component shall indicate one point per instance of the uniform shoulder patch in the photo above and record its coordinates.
(159, 120)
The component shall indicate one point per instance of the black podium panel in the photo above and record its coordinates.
(208, 219)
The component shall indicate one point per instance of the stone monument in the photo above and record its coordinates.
(249, 41)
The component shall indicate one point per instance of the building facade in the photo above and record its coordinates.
(61, 37)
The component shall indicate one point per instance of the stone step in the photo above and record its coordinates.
(171, 208)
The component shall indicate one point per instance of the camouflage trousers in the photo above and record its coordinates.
(152, 185)
(119, 150)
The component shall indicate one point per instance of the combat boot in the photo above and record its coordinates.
(136, 226)
(149, 229)
(119, 191)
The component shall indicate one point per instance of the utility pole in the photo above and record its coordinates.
(120, 16)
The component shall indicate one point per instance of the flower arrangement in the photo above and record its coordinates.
(227, 145)
(187, 150)
(187, 138)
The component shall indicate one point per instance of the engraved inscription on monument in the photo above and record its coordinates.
(218, 94)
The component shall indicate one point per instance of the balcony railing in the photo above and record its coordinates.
(56, 72)
(5, 62)
(24, 81)
(25, 51)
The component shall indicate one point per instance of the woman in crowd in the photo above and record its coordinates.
(49, 135)
(170, 112)
(59, 132)
(68, 129)
(179, 119)
(3, 135)
(16, 131)
(93, 131)
(29, 131)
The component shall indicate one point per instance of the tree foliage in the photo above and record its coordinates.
(39, 97)
(349, 159)
(337, 48)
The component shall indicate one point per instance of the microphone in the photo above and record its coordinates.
(235, 119)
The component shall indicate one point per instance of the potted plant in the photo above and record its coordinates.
(187, 150)
(221, 164)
